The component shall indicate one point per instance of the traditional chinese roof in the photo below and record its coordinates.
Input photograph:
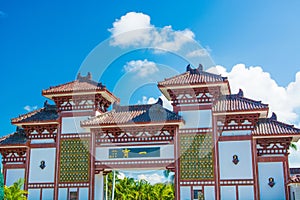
(272, 127)
(46, 114)
(83, 84)
(137, 114)
(193, 76)
(237, 103)
(16, 138)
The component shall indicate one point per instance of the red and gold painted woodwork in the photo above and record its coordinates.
(82, 102)
(134, 134)
(41, 131)
(236, 121)
(74, 162)
(13, 155)
(196, 157)
(273, 146)
(194, 95)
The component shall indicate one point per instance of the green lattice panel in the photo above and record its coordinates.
(196, 160)
(74, 161)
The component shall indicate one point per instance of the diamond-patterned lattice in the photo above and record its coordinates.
(74, 160)
(196, 160)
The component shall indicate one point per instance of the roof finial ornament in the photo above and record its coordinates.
(274, 116)
(159, 101)
(46, 104)
(78, 76)
(89, 76)
(200, 68)
(188, 68)
(240, 93)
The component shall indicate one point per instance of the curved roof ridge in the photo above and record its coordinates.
(26, 115)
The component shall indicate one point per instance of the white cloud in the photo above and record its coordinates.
(198, 53)
(30, 108)
(135, 29)
(142, 68)
(151, 178)
(259, 85)
(166, 104)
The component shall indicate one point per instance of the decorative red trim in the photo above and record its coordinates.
(133, 144)
(72, 136)
(235, 138)
(177, 164)
(14, 166)
(179, 108)
(14, 155)
(41, 194)
(56, 188)
(271, 159)
(40, 185)
(4, 173)
(119, 164)
(77, 114)
(197, 182)
(255, 169)
(270, 146)
(286, 177)
(237, 182)
(216, 160)
(151, 134)
(92, 165)
(195, 130)
(43, 145)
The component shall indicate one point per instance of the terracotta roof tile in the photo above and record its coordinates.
(75, 86)
(133, 114)
(193, 76)
(18, 137)
(236, 102)
(47, 113)
(272, 127)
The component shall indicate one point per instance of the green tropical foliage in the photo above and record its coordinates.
(15, 191)
(131, 189)
(1, 187)
(293, 146)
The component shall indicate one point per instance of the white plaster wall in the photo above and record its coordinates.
(36, 174)
(228, 193)
(83, 193)
(237, 132)
(228, 170)
(41, 141)
(295, 192)
(246, 192)
(72, 124)
(185, 193)
(197, 118)
(166, 152)
(62, 193)
(34, 194)
(267, 170)
(48, 194)
(209, 192)
(12, 175)
(99, 186)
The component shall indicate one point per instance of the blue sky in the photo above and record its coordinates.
(45, 43)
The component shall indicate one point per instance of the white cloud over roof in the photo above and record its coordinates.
(135, 29)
